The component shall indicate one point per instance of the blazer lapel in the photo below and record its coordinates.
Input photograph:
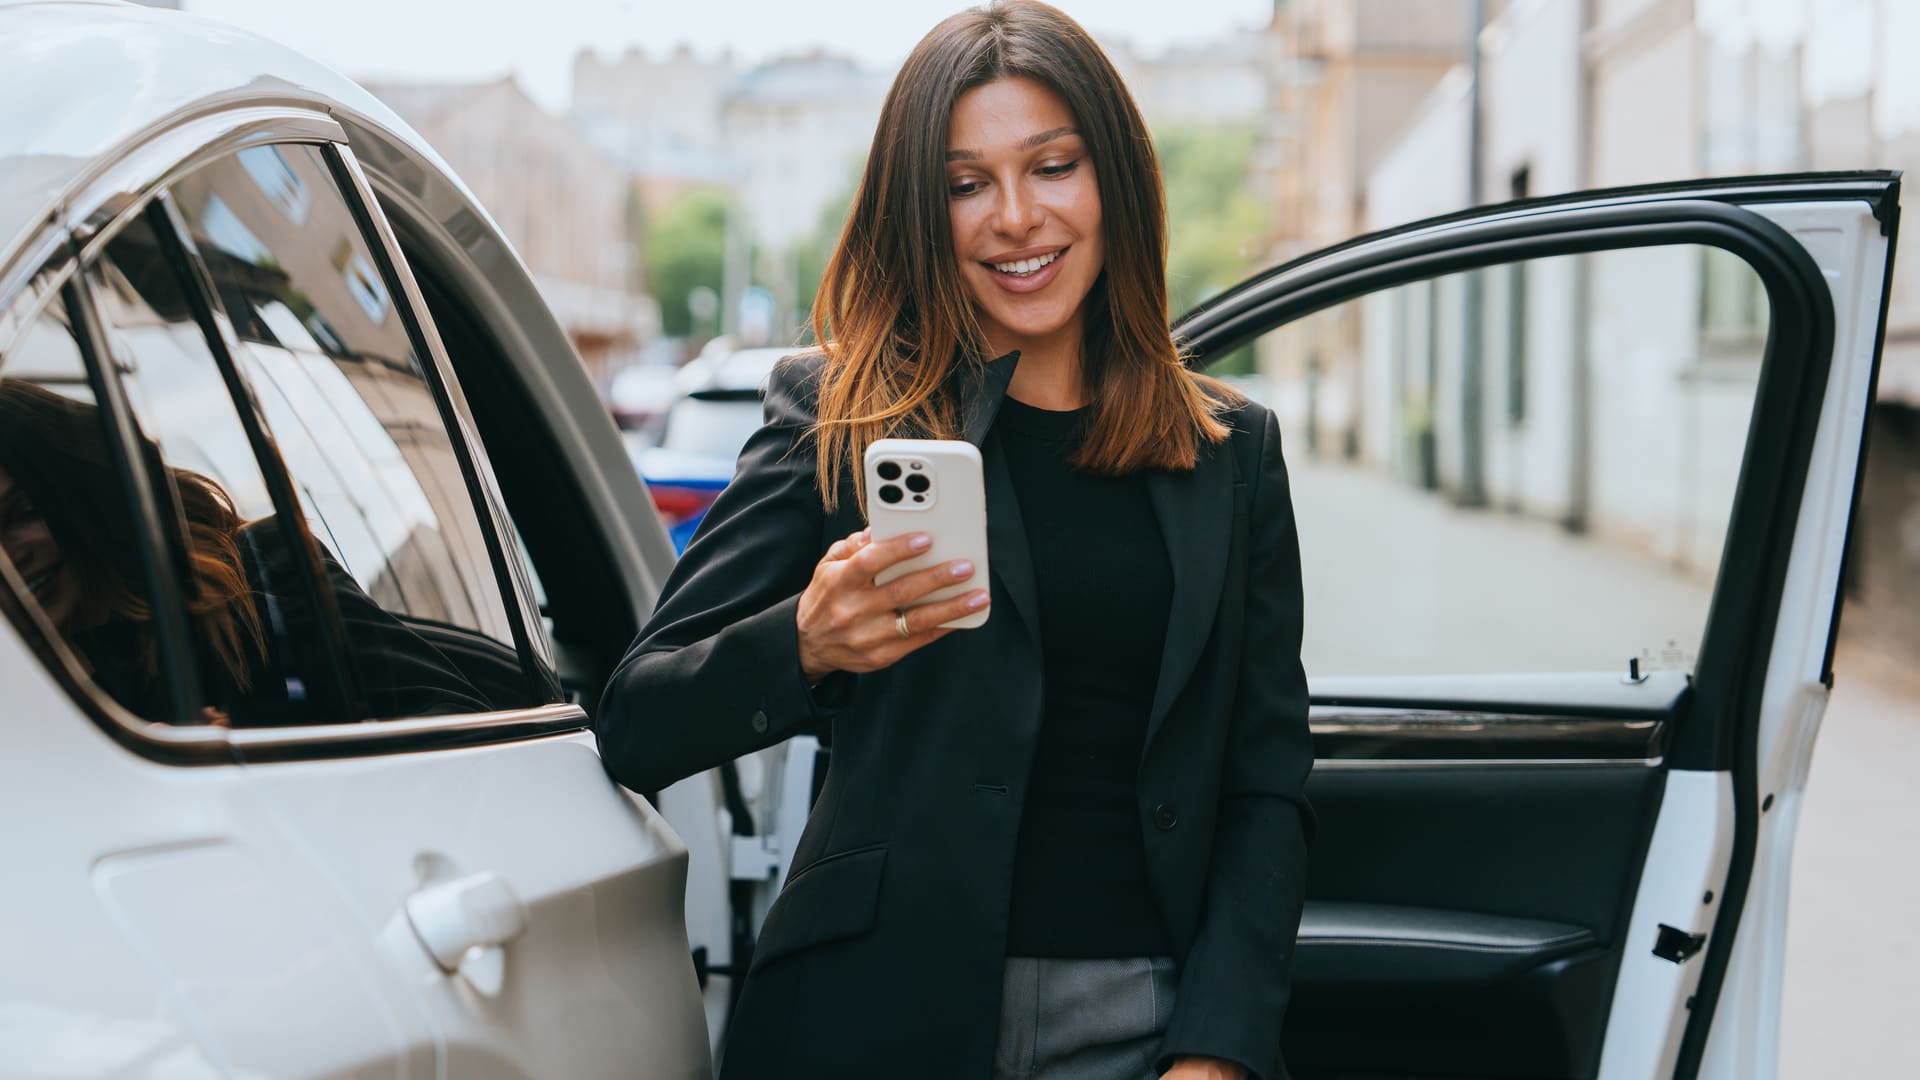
(1195, 510)
(1011, 563)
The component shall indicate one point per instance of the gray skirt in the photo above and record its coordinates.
(1083, 1019)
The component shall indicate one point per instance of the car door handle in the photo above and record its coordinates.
(452, 918)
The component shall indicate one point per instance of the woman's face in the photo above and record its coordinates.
(1025, 208)
(30, 545)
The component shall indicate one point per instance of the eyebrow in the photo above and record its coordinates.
(1027, 143)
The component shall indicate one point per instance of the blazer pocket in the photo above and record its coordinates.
(833, 898)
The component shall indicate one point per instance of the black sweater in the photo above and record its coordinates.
(1080, 886)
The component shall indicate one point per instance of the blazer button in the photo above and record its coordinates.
(760, 721)
(1165, 817)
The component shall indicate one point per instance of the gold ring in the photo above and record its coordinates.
(900, 624)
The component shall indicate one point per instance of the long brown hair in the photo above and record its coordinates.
(55, 448)
(895, 314)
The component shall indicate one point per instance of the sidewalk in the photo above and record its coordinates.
(1401, 582)
(1852, 992)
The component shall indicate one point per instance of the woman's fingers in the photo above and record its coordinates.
(907, 588)
(877, 555)
(846, 546)
(847, 623)
(925, 623)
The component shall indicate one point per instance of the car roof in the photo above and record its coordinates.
(86, 80)
(748, 369)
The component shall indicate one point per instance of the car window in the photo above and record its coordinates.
(66, 529)
(712, 428)
(1489, 477)
(330, 360)
(214, 500)
(280, 633)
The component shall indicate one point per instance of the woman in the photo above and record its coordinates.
(1070, 843)
(77, 549)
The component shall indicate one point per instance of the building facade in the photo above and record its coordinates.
(564, 206)
(1612, 393)
(1347, 79)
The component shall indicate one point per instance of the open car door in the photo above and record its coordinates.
(1574, 478)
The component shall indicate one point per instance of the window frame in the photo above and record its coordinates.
(510, 561)
(52, 262)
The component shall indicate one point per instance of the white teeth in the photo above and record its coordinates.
(1026, 266)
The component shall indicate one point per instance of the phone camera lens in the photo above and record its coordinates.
(889, 470)
(918, 483)
(919, 498)
(890, 494)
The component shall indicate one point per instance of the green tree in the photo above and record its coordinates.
(1216, 226)
(686, 248)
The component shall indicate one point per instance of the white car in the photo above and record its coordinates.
(718, 410)
(319, 548)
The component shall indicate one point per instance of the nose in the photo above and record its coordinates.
(1018, 213)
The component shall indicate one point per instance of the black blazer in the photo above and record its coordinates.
(883, 954)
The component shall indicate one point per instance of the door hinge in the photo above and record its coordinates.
(755, 858)
(1677, 945)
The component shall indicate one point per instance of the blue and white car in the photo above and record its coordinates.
(720, 406)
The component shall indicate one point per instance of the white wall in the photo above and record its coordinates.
(1530, 102)
(1645, 117)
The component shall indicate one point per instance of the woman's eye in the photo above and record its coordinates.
(963, 187)
(18, 513)
(1059, 170)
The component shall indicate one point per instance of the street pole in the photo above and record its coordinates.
(1473, 486)
(733, 267)
(1580, 437)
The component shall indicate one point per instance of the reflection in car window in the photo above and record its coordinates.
(349, 404)
(273, 618)
(70, 537)
(1568, 519)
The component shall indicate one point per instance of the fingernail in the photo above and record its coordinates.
(920, 542)
(976, 601)
(961, 568)
(863, 536)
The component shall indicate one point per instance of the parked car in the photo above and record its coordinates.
(227, 272)
(378, 839)
(640, 396)
(719, 408)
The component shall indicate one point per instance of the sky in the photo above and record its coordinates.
(443, 40)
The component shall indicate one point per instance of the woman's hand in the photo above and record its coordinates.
(1204, 1068)
(847, 623)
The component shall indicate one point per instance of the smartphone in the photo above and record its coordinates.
(932, 486)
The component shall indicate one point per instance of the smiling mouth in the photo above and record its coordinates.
(1028, 267)
(42, 582)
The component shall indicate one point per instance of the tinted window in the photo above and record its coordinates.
(65, 525)
(326, 352)
(280, 634)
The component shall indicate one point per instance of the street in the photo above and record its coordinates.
(1401, 582)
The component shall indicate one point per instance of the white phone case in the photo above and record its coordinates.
(932, 486)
